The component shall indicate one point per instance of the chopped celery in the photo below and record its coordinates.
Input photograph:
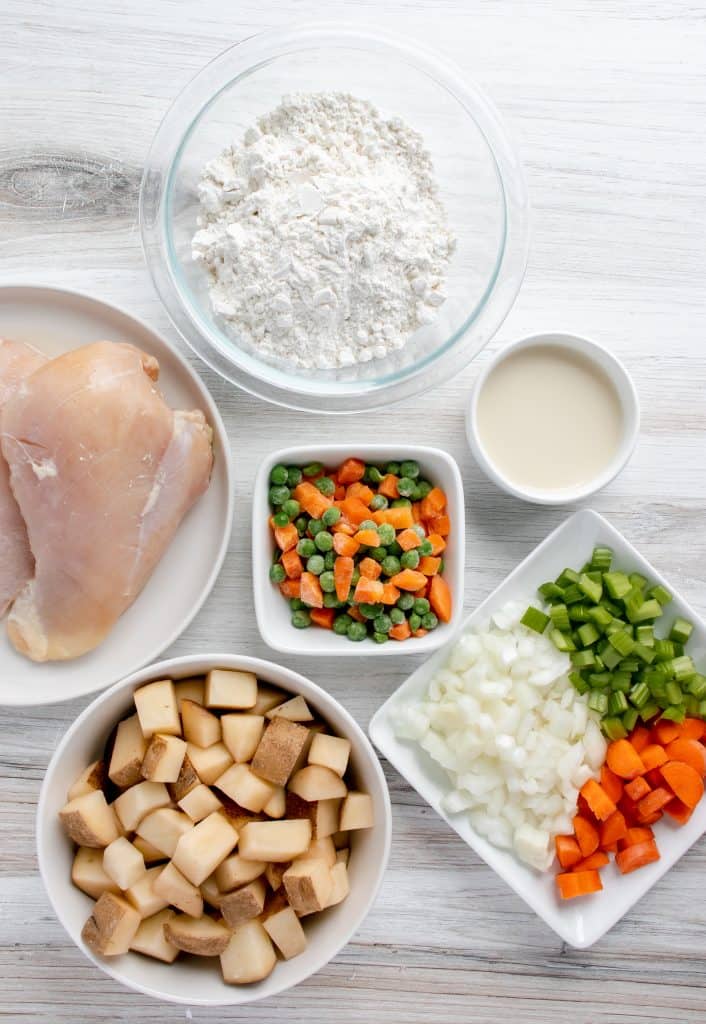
(630, 664)
(573, 594)
(638, 580)
(610, 656)
(621, 681)
(630, 719)
(616, 626)
(617, 584)
(601, 558)
(599, 679)
(617, 703)
(681, 630)
(588, 634)
(645, 654)
(598, 701)
(550, 591)
(673, 692)
(648, 711)
(614, 728)
(645, 635)
(598, 663)
(567, 577)
(682, 667)
(559, 615)
(639, 695)
(664, 650)
(649, 609)
(580, 612)
(696, 685)
(583, 659)
(599, 615)
(702, 709)
(578, 682)
(534, 619)
(590, 587)
(675, 713)
(561, 641)
(660, 594)
(623, 643)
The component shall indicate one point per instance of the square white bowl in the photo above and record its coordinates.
(583, 921)
(272, 609)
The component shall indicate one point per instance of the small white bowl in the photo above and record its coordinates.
(196, 981)
(627, 394)
(272, 609)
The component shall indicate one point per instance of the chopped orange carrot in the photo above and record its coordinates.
(355, 510)
(343, 568)
(684, 782)
(355, 613)
(417, 511)
(613, 829)
(408, 539)
(292, 564)
(653, 756)
(636, 834)
(594, 862)
(433, 504)
(368, 591)
(311, 593)
(438, 544)
(344, 527)
(678, 810)
(343, 545)
(637, 856)
(361, 491)
(287, 537)
(597, 799)
(664, 732)
(369, 538)
(400, 631)
(290, 588)
(420, 632)
(639, 738)
(440, 525)
(429, 565)
(440, 598)
(311, 499)
(370, 568)
(638, 788)
(339, 493)
(586, 835)
(322, 617)
(624, 760)
(350, 471)
(692, 729)
(400, 518)
(390, 593)
(388, 486)
(658, 798)
(611, 783)
(408, 579)
(578, 883)
(568, 851)
(689, 752)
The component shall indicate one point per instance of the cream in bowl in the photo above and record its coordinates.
(553, 418)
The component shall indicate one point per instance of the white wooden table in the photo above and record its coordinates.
(607, 101)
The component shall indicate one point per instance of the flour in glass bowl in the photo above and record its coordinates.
(323, 233)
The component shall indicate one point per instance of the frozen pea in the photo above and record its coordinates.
(380, 638)
(357, 631)
(328, 584)
(278, 475)
(369, 611)
(342, 623)
(280, 519)
(382, 623)
(368, 524)
(296, 604)
(329, 559)
(415, 622)
(331, 516)
(301, 524)
(315, 526)
(409, 559)
(312, 468)
(421, 605)
(323, 540)
(429, 621)
(306, 548)
(301, 619)
(294, 476)
(291, 508)
(397, 616)
(379, 502)
(405, 602)
(326, 485)
(379, 554)
(393, 468)
(401, 503)
(278, 495)
(315, 565)
(277, 573)
(391, 565)
(425, 548)
(423, 488)
(386, 533)
(410, 469)
(373, 475)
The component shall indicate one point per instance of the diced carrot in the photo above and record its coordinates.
(423, 591)
(388, 486)
(578, 883)
(311, 593)
(408, 579)
(636, 834)
(637, 856)
(287, 537)
(629, 809)
(292, 564)
(370, 568)
(344, 527)
(350, 471)
(400, 517)
(665, 731)
(440, 525)
(355, 510)
(400, 631)
(624, 760)
(651, 819)
(311, 499)
(433, 504)
(684, 781)
(597, 799)
(322, 617)
(613, 829)
(657, 799)
(440, 598)
(417, 511)
(692, 729)
(420, 632)
(343, 545)
(611, 783)
(369, 538)
(290, 588)
(390, 594)
(678, 810)
(368, 591)
(654, 777)
(408, 539)
(689, 752)
(653, 756)
(568, 851)
(343, 568)
(361, 491)
(429, 565)
(340, 493)
(438, 544)
(638, 788)
(594, 862)
(355, 614)
(639, 738)
(586, 835)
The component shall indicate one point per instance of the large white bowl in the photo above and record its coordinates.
(196, 981)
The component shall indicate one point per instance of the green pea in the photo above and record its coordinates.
(306, 548)
(291, 508)
(410, 469)
(342, 623)
(312, 468)
(393, 468)
(369, 611)
(386, 533)
(301, 619)
(379, 502)
(296, 604)
(277, 573)
(329, 559)
(391, 565)
(401, 503)
(294, 476)
(382, 624)
(421, 605)
(302, 524)
(406, 486)
(415, 622)
(405, 602)
(368, 524)
(379, 554)
(419, 530)
(423, 488)
(278, 495)
(425, 548)
(397, 616)
(323, 541)
(315, 564)
(331, 516)
(315, 526)
(380, 638)
(429, 621)
(394, 549)
(326, 485)
(373, 475)
(278, 475)
(410, 559)
(328, 584)
(357, 631)
(331, 601)
(280, 519)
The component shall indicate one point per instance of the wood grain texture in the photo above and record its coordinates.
(607, 102)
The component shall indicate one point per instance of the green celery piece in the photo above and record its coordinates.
(639, 695)
(682, 667)
(535, 619)
(614, 728)
(600, 616)
(610, 606)
(702, 709)
(696, 685)
(578, 682)
(649, 609)
(565, 578)
(648, 711)
(631, 664)
(629, 719)
(598, 664)
(660, 594)
(573, 594)
(601, 558)
(550, 591)
(588, 634)
(580, 612)
(623, 643)
(645, 635)
(598, 679)
(583, 659)
(675, 713)
(610, 657)
(681, 630)
(673, 692)
(617, 584)
(559, 615)
(617, 703)
(616, 626)
(645, 654)
(590, 587)
(561, 641)
(664, 650)
(692, 706)
(598, 701)
(621, 681)
(638, 580)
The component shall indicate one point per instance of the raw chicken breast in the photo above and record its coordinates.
(17, 361)
(103, 472)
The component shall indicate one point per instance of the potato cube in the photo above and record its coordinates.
(210, 891)
(244, 903)
(200, 936)
(137, 802)
(163, 758)
(123, 863)
(277, 804)
(142, 895)
(274, 840)
(93, 777)
(285, 930)
(228, 688)
(249, 955)
(157, 709)
(189, 689)
(89, 820)
(308, 885)
(274, 873)
(268, 697)
(246, 788)
(88, 875)
(343, 855)
(129, 748)
(199, 803)
(241, 735)
(317, 783)
(236, 815)
(356, 812)
(296, 710)
(149, 852)
(150, 938)
(177, 890)
(323, 814)
(209, 762)
(341, 888)
(330, 752)
(204, 847)
(112, 926)
(236, 870)
(320, 849)
(164, 828)
(314, 729)
(278, 750)
(200, 726)
(188, 779)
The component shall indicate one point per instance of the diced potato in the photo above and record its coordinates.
(268, 697)
(112, 926)
(150, 938)
(177, 890)
(274, 902)
(88, 875)
(210, 762)
(308, 885)
(200, 936)
(343, 855)
(199, 803)
(89, 820)
(317, 783)
(246, 788)
(249, 955)
(341, 888)
(236, 870)
(164, 828)
(210, 891)
(296, 710)
(149, 852)
(330, 752)
(93, 777)
(123, 863)
(157, 709)
(274, 873)
(188, 779)
(236, 815)
(356, 811)
(323, 814)
(241, 735)
(229, 688)
(129, 748)
(189, 689)
(204, 847)
(137, 802)
(278, 750)
(314, 729)
(276, 805)
(163, 758)
(243, 904)
(274, 840)
(320, 849)
(200, 726)
(142, 895)
(285, 930)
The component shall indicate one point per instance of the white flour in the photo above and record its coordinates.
(323, 233)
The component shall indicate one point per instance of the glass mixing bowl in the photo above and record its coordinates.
(479, 175)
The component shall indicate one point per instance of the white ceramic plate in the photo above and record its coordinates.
(580, 922)
(56, 321)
